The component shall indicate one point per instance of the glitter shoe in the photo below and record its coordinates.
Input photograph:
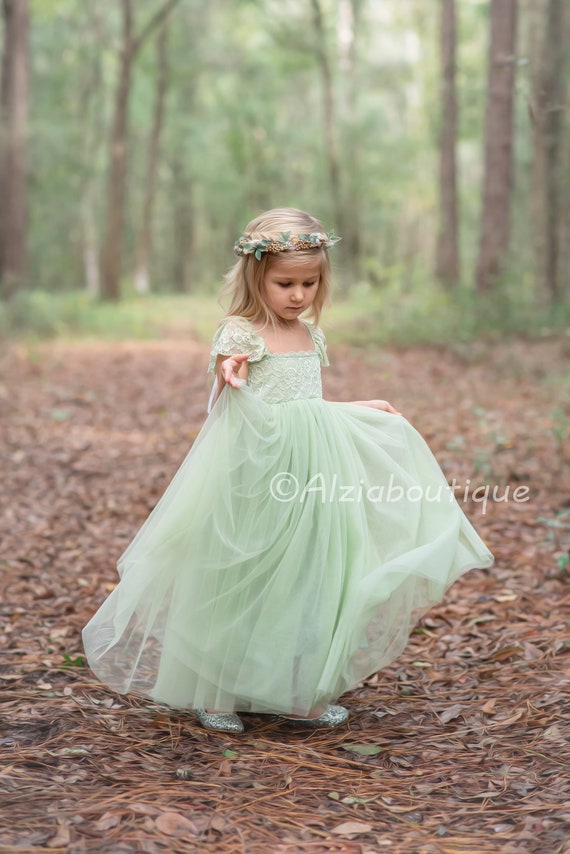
(219, 722)
(334, 716)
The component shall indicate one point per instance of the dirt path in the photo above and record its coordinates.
(462, 745)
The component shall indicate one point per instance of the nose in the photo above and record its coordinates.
(297, 295)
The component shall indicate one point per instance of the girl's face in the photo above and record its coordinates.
(290, 285)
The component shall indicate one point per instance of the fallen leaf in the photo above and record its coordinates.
(218, 823)
(107, 820)
(363, 749)
(553, 733)
(62, 837)
(174, 824)
(507, 596)
(506, 652)
(508, 720)
(451, 713)
(351, 828)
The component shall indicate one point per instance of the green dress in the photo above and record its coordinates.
(290, 556)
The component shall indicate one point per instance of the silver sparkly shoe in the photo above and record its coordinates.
(334, 716)
(219, 722)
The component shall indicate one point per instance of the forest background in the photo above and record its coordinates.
(137, 139)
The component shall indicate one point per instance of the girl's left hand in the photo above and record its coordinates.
(383, 405)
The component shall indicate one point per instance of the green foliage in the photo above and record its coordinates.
(411, 310)
(77, 661)
(41, 315)
(559, 533)
(243, 131)
(405, 311)
(363, 749)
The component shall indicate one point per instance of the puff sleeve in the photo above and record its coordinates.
(236, 335)
(320, 343)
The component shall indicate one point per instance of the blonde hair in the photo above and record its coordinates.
(244, 281)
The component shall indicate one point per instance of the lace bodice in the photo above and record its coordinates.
(276, 377)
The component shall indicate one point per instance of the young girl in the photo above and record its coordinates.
(300, 540)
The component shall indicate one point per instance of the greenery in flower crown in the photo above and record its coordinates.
(284, 243)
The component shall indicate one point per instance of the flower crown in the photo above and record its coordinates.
(284, 243)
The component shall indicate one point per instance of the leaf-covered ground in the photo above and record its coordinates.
(462, 745)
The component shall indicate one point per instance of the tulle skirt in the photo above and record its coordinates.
(289, 558)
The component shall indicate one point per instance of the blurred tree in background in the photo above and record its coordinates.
(131, 44)
(447, 269)
(498, 173)
(13, 146)
(547, 113)
(423, 131)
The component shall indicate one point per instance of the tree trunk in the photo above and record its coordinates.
(187, 265)
(564, 257)
(142, 284)
(328, 116)
(183, 224)
(547, 114)
(447, 263)
(14, 103)
(90, 256)
(117, 175)
(90, 93)
(349, 18)
(497, 182)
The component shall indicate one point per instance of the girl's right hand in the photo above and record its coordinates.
(230, 369)
(382, 405)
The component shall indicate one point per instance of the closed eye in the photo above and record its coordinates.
(305, 284)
